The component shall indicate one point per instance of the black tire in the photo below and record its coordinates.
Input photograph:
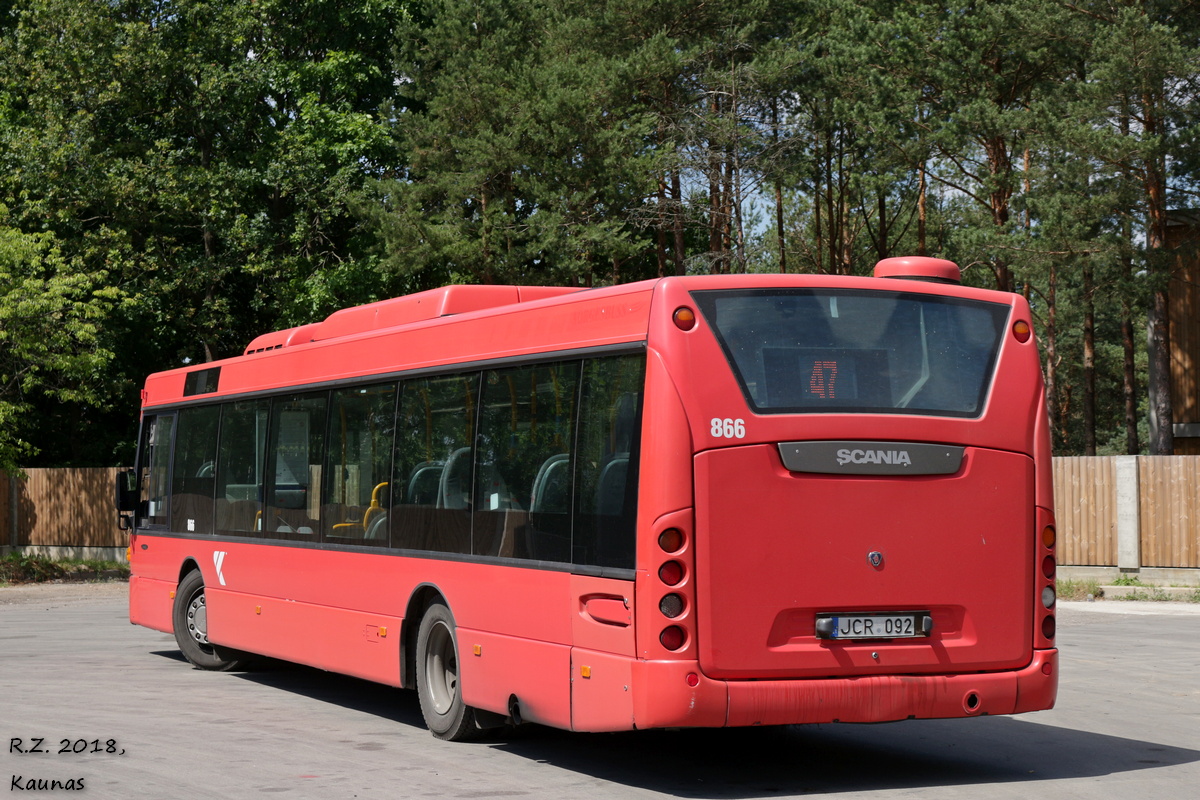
(190, 620)
(438, 688)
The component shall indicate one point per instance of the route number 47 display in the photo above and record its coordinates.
(728, 428)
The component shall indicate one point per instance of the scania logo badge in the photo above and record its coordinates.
(875, 559)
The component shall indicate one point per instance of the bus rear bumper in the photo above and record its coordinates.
(670, 701)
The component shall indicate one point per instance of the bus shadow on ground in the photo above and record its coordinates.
(806, 759)
(765, 762)
(345, 691)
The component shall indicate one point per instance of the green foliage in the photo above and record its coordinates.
(199, 157)
(49, 324)
(23, 568)
(29, 568)
(179, 176)
(1152, 593)
(1078, 589)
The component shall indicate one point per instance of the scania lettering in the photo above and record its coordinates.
(873, 457)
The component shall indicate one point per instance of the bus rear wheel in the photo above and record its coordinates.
(190, 618)
(438, 687)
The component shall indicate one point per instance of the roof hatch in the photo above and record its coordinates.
(919, 268)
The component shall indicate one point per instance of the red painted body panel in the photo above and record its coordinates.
(664, 698)
(603, 614)
(761, 549)
(359, 643)
(150, 603)
(777, 550)
(536, 673)
(601, 691)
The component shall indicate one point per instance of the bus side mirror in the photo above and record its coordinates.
(127, 493)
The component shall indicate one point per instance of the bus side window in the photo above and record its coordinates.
(433, 464)
(239, 466)
(295, 449)
(154, 466)
(193, 478)
(522, 477)
(358, 465)
(607, 462)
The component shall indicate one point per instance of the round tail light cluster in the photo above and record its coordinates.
(673, 604)
(1049, 597)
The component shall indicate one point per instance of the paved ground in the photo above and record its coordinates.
(72, 671)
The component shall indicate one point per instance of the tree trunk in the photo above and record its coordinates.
(779, 226)
(1158, 332)
(1051, 333)
(1129, 352)
(677, 222)
(1158, 351)
(1089, 364)
(660, 233)
(921, 210)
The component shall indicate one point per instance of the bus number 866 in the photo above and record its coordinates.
(728, 428)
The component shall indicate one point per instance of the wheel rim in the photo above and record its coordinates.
(441, 668)
(197, 619)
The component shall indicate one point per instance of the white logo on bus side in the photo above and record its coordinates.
(727, 428)
(218, 562)
(846, 456)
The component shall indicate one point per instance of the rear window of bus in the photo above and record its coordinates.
(854, 351)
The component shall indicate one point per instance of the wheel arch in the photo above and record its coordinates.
(189, 565)
(423, 596)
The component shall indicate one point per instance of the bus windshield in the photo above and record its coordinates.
(855, 351)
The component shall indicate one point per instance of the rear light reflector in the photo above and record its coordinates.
(673, 637)
(671, 573)
(671, 606)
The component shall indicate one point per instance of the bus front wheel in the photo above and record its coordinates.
(438, 688)
(190, 617)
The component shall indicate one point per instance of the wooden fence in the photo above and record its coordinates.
(1128, 511)
(62, 511)
(1116, 511)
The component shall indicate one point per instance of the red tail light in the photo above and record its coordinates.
(673, 637)
(671, 573)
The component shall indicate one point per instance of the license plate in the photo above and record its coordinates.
(909, 625)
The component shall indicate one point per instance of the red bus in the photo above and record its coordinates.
(695, 501)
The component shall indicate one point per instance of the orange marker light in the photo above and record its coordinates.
(1021, 330)
(684, 318)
